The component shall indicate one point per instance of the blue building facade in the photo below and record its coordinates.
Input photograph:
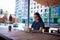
(21, 10)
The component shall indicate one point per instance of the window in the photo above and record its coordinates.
(41, 10)
(31, 7)
(45, 10)
(26, 0)
(55, 20)
(50, 20)
(34, 7)
(44, 14)
(17, 0)
(34, 3)
(37, 7)
(45, 20)
(31, 11)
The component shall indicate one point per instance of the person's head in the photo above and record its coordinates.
(37, 17)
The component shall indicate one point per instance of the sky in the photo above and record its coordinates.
(8, 5)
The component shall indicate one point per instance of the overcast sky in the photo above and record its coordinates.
(8, 5)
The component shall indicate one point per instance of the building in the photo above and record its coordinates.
(36, 7)
(22, 12)
(21, 9)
